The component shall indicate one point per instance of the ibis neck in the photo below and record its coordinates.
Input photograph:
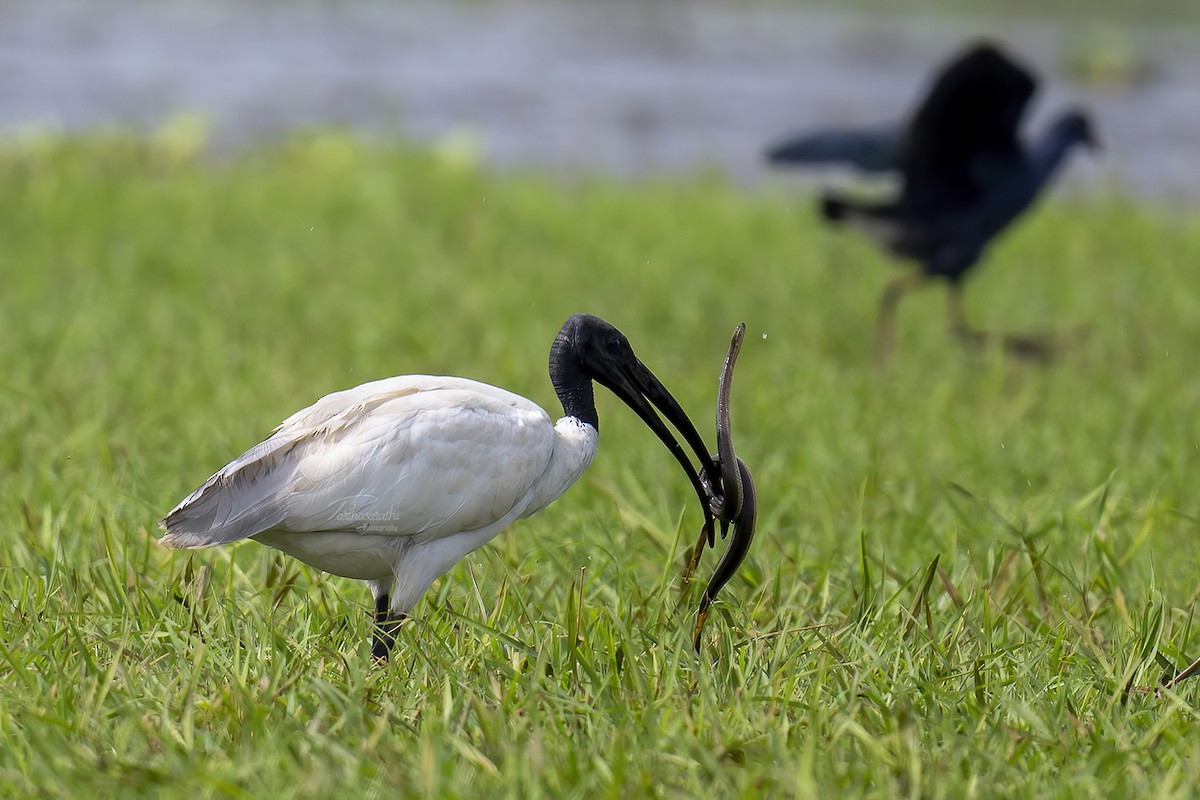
(571, 384)
(1049, 152)
(1010, 199)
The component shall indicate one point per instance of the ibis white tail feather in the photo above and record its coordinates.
(241, 500)
(247, 496)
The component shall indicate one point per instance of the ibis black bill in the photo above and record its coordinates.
(638, 387)
(732, 496)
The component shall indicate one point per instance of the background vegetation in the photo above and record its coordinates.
(966, 563)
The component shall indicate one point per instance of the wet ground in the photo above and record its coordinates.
(625, 87)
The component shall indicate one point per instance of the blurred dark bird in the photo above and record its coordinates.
(964, 176)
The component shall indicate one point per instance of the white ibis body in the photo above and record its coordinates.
(393, 481)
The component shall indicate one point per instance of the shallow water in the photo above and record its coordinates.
(629, 88)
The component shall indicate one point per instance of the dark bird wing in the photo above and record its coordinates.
(963, 137)
(888, 223)
(869, 149)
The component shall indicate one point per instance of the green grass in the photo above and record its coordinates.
(161, 313)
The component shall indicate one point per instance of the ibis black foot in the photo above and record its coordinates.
(1042, 346)
(1033, 347)
(386, 627)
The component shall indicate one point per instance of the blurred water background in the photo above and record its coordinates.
(628, 88)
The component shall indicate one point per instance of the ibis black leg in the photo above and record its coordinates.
(1036, 346)
(956, 317)
(385, 628)
(885, 323)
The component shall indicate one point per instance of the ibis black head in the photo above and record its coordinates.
(589, 349)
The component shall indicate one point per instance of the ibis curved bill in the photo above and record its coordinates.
(392, 482)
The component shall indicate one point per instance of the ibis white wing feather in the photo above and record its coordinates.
(418, 456)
